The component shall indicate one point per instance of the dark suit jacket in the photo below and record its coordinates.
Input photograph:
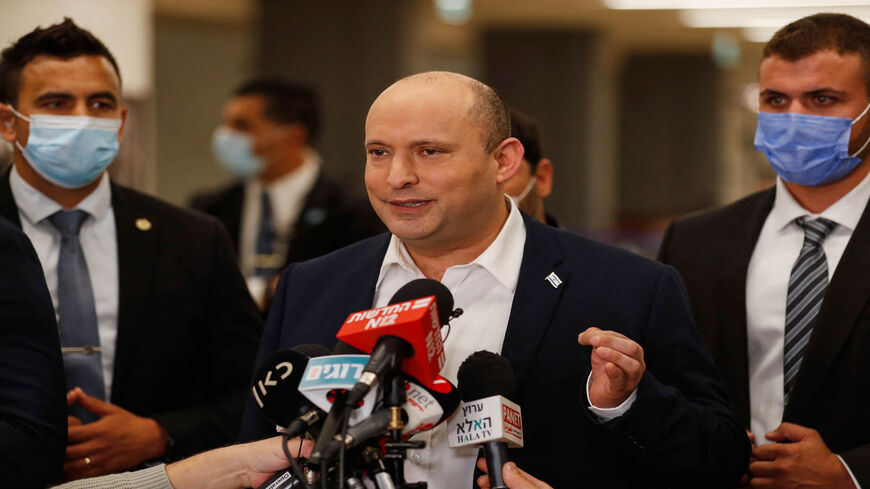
(32, 391)
(679, 433)
(832, 391)
(187, 327)
(330, 218)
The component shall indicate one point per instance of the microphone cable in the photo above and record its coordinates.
(344, 423)
(285, 445)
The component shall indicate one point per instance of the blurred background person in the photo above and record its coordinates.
(281, 208)
(533, 182)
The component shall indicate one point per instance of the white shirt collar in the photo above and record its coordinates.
(846, 212)
(36, 206)
(502, 258)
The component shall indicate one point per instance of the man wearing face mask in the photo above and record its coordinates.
(281, 209)
(157, 330)
(778, 280)
(533, 182)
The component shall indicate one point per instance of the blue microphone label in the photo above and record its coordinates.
(335, 371)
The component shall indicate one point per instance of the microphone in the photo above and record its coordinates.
(487, 416)
(374, 465)
(327, 376)
(404, 335)
(426, 407)
(275, 388)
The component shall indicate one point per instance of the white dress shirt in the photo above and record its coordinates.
(484, 290)
(99, 244)
(287, 195)
(775, 253)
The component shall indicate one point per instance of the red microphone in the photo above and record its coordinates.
(405, 335)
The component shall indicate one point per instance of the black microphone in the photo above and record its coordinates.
(275, 388)
(485, 380)
(390, 351)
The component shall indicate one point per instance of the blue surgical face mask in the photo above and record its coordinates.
(69, 151)
(807, 149)
(233, 150)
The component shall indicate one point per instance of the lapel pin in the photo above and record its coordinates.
(143, 224)
(554, 280)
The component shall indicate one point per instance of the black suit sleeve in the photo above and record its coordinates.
(255, 426)
(681, 426)
(228, 345)
(32, 390)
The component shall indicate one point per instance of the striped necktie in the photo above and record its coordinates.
(806, 289)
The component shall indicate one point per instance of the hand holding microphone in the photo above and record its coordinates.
(514, 477)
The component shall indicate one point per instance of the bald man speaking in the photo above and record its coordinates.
(616, 386)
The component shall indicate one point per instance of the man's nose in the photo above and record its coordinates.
(402, 172)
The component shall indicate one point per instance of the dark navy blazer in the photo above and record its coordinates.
(680, 432)
(32, 389)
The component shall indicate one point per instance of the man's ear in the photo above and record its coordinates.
(509, 156)
(7, 124)
(544, 177)
(124, 111)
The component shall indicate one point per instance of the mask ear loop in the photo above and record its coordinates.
(9, 123)
(27, 119)
(525, 191)
(856, 153)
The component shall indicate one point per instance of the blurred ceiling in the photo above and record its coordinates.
(635, 24)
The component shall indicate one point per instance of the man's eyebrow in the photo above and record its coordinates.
(768, 91)
(429, 142)
(109, 95)
(53, 96)
(826, 90)
(817, 91)
(375, 142)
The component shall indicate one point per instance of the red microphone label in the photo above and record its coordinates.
(415, 321)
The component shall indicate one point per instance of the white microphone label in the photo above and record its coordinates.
(494, 418)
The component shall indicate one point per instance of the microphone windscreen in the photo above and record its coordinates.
(484, 374)
(276, 382)
(424, 287)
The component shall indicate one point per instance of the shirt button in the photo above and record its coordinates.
(418, 458)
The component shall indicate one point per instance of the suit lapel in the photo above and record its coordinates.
(137, 237)
(845, 300)
(729, 293)
(535, 299)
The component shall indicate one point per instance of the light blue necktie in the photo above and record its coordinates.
(79, 336)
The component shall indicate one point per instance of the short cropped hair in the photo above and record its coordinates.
(65, 40)
(528, 132)
(809, 35)
(487, 109)
(285, 103)
(491, 112)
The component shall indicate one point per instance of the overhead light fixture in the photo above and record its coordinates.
(455, 12)
(770, 17)
(729, 4)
